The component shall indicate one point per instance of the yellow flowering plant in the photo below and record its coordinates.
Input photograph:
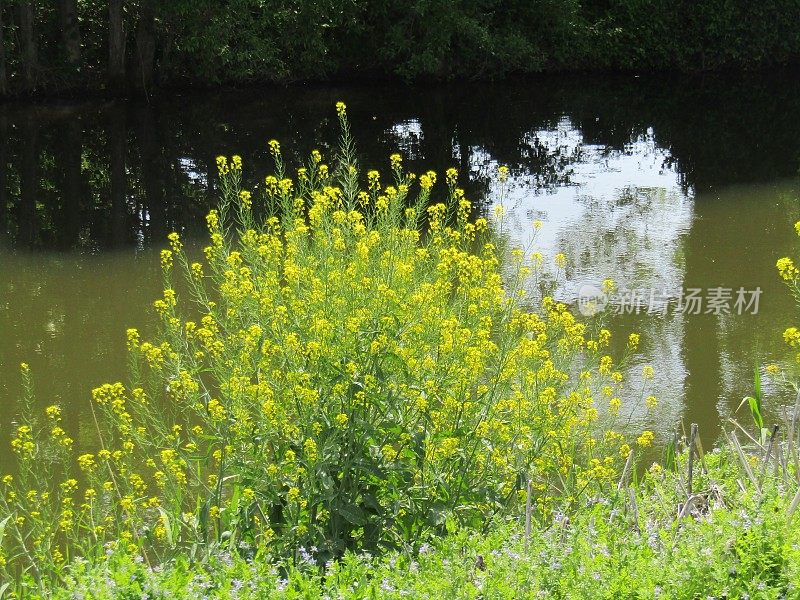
(791, 276)
(347, 368)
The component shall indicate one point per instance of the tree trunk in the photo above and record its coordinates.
(116, 46)
(3, 84)
(70, 32)
(145, 46)
(28, 44)
(4, 144)
(117, 151)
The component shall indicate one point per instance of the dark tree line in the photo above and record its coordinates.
(124, 46)
(67, 45)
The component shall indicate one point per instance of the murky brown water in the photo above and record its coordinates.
(659, 184)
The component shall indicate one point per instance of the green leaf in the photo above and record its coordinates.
(757, 382)
(352, 514)
(755, 411)
(3, 524)
(204, 517)
(451, 524)
(669, 456)
(438, 514)
(765, 433)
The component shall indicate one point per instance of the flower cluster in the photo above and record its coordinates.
(333, 377)
(791, 276)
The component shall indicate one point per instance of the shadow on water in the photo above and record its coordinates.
(654, 181)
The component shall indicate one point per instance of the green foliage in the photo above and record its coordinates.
(737, 546)
(345, 369)
(646, 34)
(243, 41)
(469, 39)
(250, 40)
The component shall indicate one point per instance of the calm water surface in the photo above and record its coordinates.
(659, 184)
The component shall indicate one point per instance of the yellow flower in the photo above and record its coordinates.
(245, 199)
(175, 242)
(374, 180)
(647, 372)
(341, 420)
(451, 176)
(310, 449)
(222, 165)
(646, 439)
(87, 463)
(341, 109)
(216, 410)
(447, 448)
(166, 259)
(274, 147)
(560, 260)
(651, 401)
(633, 341)
(786, 268)
(69, 486)
(502, 173)
(773, 369)
(396, 161)
(792, 337)
(133, 339)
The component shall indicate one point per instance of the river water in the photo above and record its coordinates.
(671, 186)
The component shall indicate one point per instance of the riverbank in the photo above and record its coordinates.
(635, 543)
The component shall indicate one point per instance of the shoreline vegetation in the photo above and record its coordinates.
(351, 394)
(77, 47)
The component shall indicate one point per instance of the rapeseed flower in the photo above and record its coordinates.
(786, 268)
